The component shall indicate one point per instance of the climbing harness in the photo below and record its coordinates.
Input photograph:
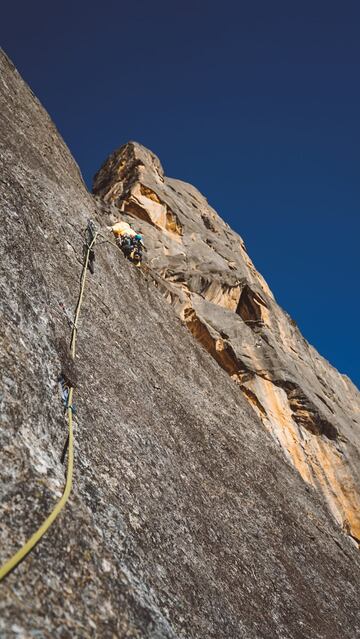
(35, 538)
(136, 256)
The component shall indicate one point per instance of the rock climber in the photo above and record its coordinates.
(129, 241)
(123, 234)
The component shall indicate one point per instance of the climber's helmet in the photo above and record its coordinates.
(138, 237)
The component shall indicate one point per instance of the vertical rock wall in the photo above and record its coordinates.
(184, 519)
(203, 269)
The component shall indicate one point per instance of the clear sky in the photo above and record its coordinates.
(256, 103)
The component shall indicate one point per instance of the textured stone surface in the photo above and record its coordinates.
(206, 273)
(185, 520)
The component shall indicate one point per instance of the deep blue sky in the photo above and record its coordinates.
(256, 103)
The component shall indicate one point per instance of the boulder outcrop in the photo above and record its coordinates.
(184, 520)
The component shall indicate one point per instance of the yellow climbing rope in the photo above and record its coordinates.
(35, 538)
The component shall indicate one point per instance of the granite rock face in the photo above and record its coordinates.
(185, 519)
(204, 271)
